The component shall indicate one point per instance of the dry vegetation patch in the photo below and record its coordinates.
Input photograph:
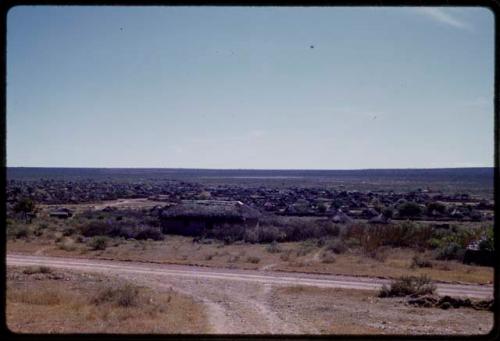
(335, 256)
(41, 301)
(342, 311)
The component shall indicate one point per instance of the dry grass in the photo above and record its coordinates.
(94, 304)
(342, 311)
(293, 256)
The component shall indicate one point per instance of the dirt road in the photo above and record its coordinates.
(238, 300)
(262, 277)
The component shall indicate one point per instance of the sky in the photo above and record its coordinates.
(250, 87)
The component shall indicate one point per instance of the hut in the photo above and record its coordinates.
(62, 213)
(380, 219)
(341, 218)
(193, 217)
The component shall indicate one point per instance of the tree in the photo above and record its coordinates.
(322, 207)
(26, 207)
(409, 209)
(436, 206)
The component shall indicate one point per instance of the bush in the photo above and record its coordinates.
(452, 251)
(20, 231)
(252, 259)
(69, 231)
(38, 232)
(436, 206)
(286, 255)
(124, 296)
(98, 243)
(379, 254)
(229, 233)
(305, 247)
(149, 233)
(67, 245)
(419, 262)
(409, 210)
(352, 243)
(409, 285)
(336, 246)
(43, 226)
(273, 248)
(388, 212)
(487, 243)
(37, 270)
(328, 257)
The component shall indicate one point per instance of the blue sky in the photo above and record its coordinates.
(280, 88)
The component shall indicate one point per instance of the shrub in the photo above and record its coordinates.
(328, 257)
(336, 246)
(273, 248)
(305, 247)
(69, 231)
(67, 245)
(286, 255)
(409, 285)
(124, 296)
(150, 233)
(98, 243)
(43, 226)
(409, 210)
(352, 243)
(263, 234)
(419, 262)
(20, 231)
(487, 243)
(229, 233)
(94, 228)
(38, 232)
(452, 251)
(436, 206)
(268, 234)
(388, 212)
(252, 259)
(379, 254)
(251, 236)
(37, 270)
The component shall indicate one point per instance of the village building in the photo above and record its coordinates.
(62, 213)
(341, 218)
(193, 217)
(379, 219)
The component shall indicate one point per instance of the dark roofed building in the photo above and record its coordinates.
(192, 217)
(62, 213)
(341, 218)
(380, 219)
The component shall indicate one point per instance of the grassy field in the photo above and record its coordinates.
(42, 300)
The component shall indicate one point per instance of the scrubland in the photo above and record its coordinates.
(43, 300)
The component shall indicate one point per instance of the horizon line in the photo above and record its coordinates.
(257, 169)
